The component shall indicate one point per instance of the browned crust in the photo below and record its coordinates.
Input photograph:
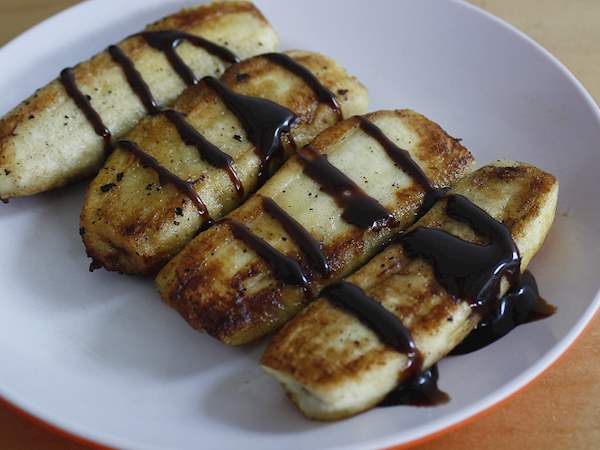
(115, 238)
(538, 184)
(44, 97)
(313, 319)
(297, 349)
(217, 314)
(191, 17)
(197, 286)
(205, 16)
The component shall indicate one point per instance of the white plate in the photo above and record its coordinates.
(100, 356)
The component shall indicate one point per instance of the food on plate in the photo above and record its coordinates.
(63, 132)
(182, 168)
(327, 211)
(415, 301)
(266, 201)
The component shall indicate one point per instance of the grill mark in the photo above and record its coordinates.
(208, 151)
(85, 106)
(309, 246)
(166, 41)
(403, 159)
(135, 80)
(284, 268)
(263, 120)
(360, 209)
(188, 134)
(375, 316)
(474, 276)
(323, 93)
(166, 176)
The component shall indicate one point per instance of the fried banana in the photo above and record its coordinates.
(332, 365)
(62, 132)
(322, 215)
(134, 221)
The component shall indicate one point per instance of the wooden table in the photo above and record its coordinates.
(561, 409)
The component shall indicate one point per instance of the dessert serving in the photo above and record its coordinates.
(329, 209)
(414, 302)
(63, 132)
(269, 203)
(207, 153)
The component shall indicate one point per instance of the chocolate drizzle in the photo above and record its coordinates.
(420, 387)
(383, 322)
(166, 176)
(188, 134)
(521, 305)
(167, 41)
(359, 209)
(135, 80)
(403, 160)
(285, 269)
(420, 390)
(263, 120)
(208, 151)
(467, 270)
(83, 103)
(323, 94)
(308, 245)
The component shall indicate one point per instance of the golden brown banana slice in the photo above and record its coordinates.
(316, 220)
(332, 365)
(134, 220)
(48, 141)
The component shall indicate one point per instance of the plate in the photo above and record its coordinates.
(99, 355)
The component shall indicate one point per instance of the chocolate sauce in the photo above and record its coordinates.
(189, 135)
(383, 322)
(359, 209)
(403, 160)
(420, 387)
(135, 80)
(420, 390)
(167, 41)
(323, 94)
(166, 176)
(467, 270)
(83, 103)
(308, 245)
(521, 305)
(263, 120)
(285, 269)
(208, 151)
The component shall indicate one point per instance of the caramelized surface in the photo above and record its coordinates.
(138, 224)
(333, 366)
(47, 142)
(221, 285)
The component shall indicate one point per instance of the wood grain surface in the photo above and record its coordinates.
(560, 410)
